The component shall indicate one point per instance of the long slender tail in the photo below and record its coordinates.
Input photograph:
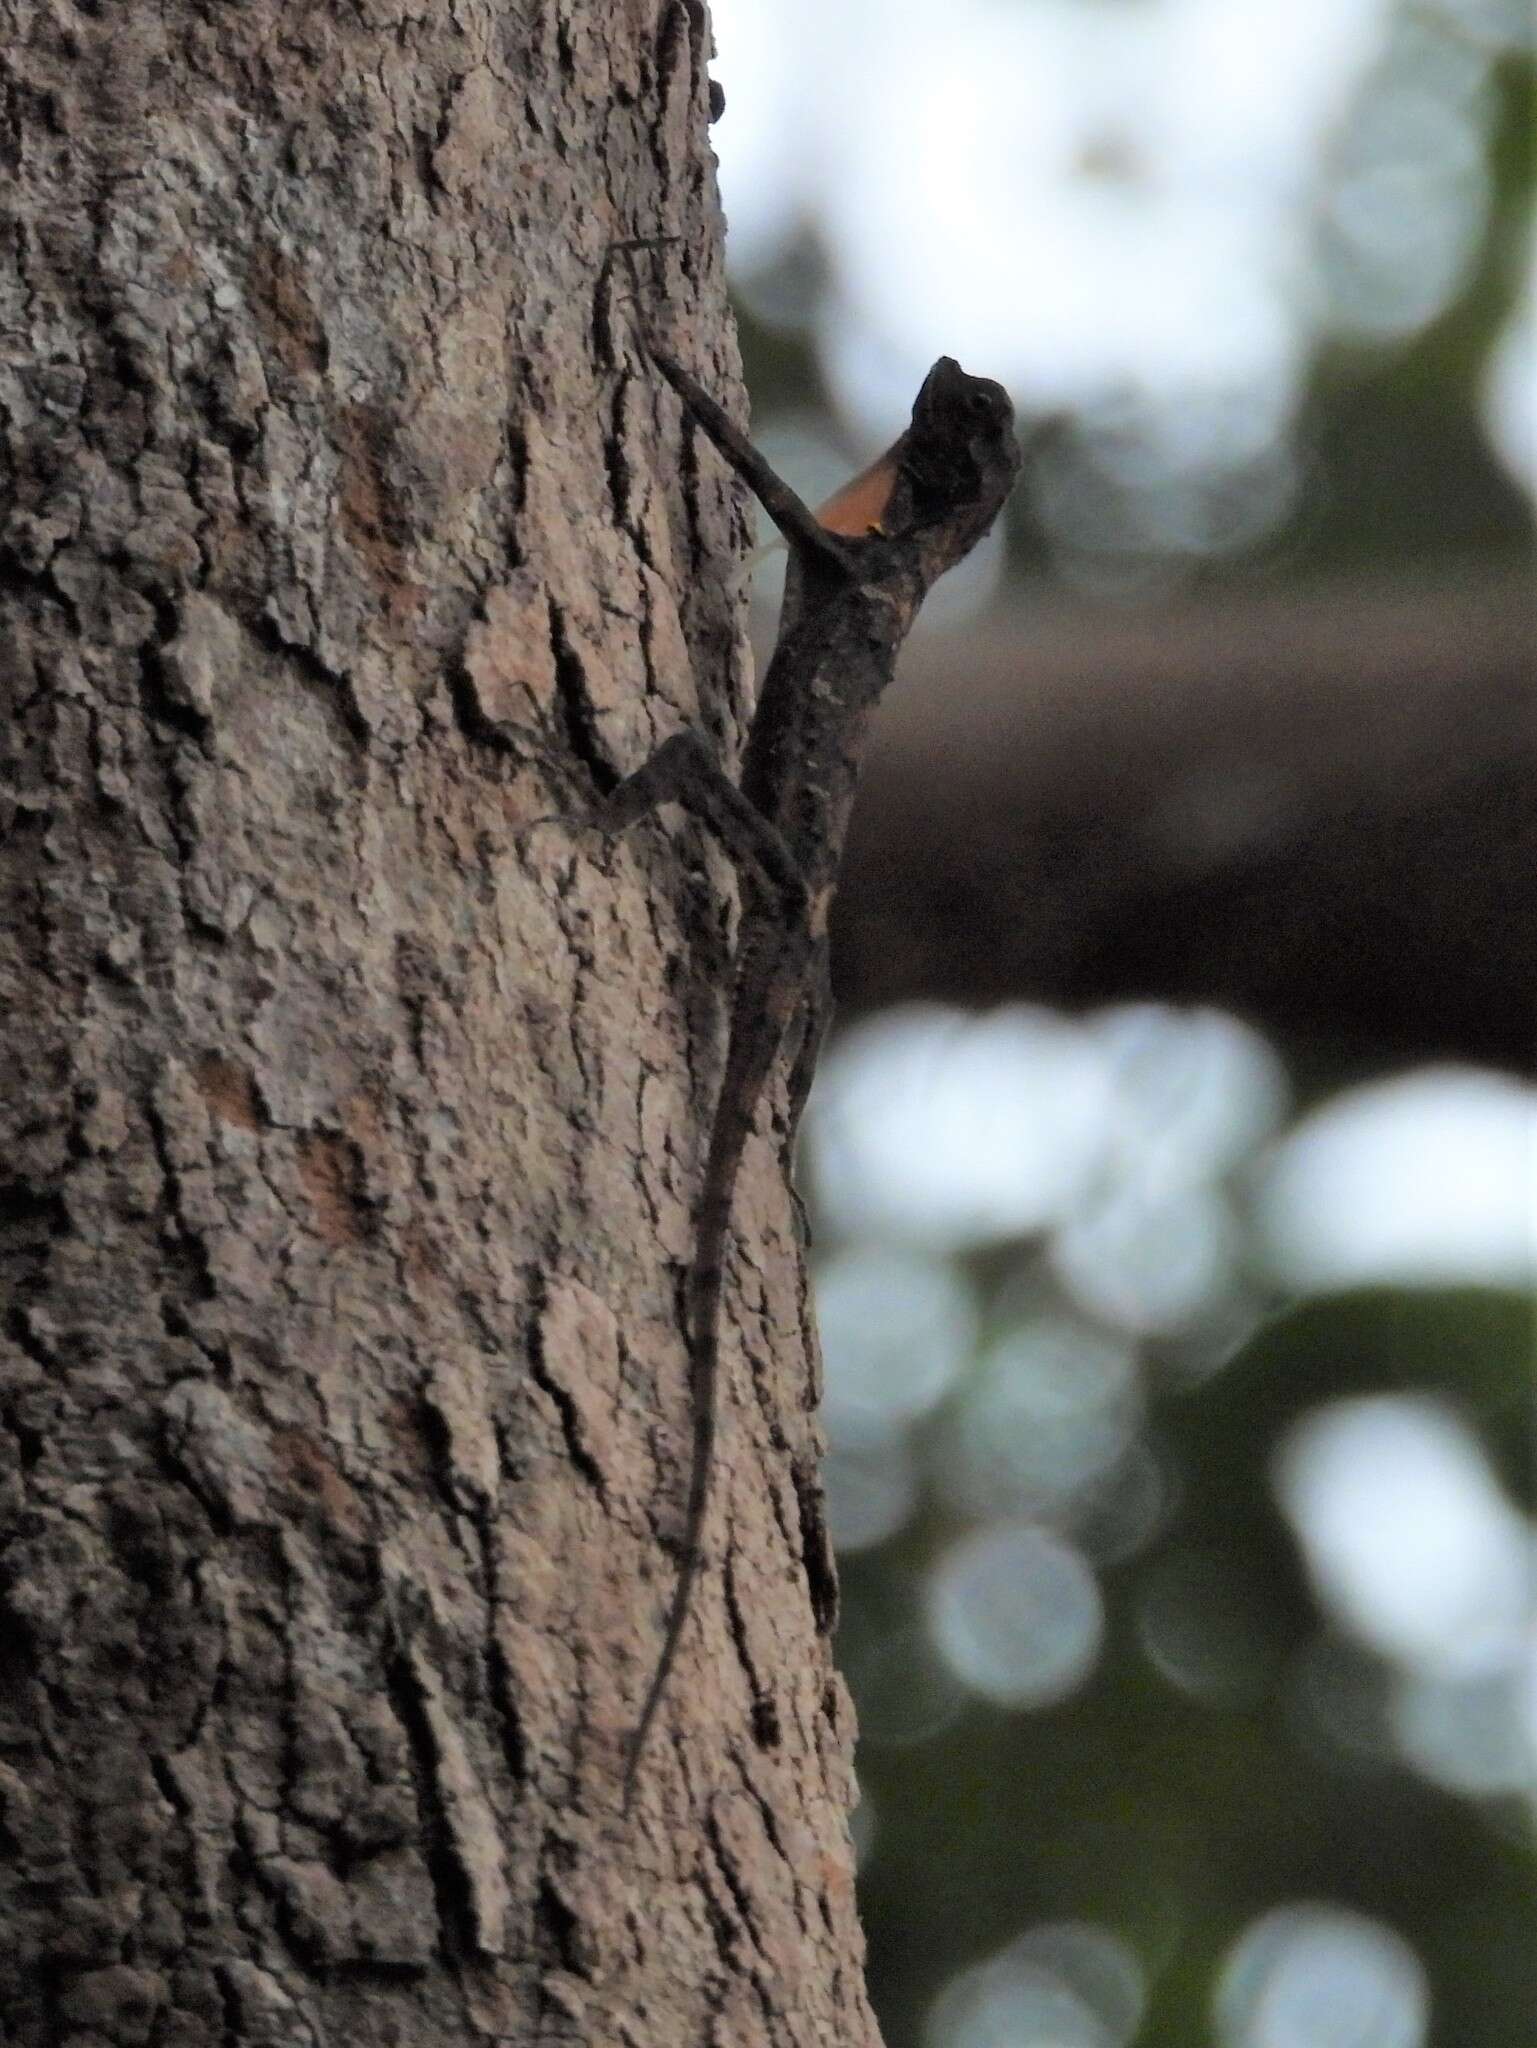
(704, 1284)
(748, 1063)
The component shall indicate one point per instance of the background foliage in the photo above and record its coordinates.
(1180, 1368)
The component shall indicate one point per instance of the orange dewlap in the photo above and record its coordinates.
(857, 507)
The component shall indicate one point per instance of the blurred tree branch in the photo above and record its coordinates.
(1315, 807)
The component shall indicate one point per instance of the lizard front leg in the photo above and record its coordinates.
(801, 528)
(804, 533)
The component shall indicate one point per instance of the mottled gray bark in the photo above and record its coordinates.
(346, 1153)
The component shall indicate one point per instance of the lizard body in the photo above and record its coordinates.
(850, 598)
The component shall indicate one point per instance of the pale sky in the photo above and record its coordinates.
(1156, 209)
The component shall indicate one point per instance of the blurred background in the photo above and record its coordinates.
(1174, 1171)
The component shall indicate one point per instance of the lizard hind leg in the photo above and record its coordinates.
(684, 770)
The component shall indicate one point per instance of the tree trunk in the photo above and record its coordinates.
(347, 1155)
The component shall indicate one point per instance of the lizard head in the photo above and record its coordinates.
(959, 455)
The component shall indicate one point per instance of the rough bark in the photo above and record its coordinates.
(347, 1156)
